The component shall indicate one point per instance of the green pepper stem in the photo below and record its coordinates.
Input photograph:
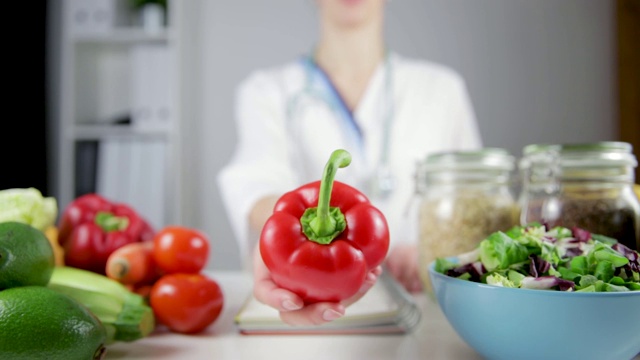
(323, 223)
(109, 222)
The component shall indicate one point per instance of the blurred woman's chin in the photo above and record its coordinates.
(352, 2)
(352, 20)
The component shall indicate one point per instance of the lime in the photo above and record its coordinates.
(40, 323)
(26, 256)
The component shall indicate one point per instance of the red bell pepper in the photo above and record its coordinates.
(324, 237)
(92, 227)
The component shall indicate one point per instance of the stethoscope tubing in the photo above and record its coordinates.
(337, 106)
(323, 90)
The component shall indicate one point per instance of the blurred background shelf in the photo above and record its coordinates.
(101, 132)
(131, 36)
(116, 116)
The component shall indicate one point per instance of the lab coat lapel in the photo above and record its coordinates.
(319, 127)
(370, 114)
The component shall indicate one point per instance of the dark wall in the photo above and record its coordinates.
(23, 144)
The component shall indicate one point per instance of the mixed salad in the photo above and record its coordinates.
(535, 256)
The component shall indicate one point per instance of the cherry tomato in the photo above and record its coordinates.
(186, 303)
(179, 249)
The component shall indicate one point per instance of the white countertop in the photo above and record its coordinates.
(434, 338)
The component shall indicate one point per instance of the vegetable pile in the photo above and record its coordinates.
(168, 272)
(535, 256)
(183, 298)
(113, 262)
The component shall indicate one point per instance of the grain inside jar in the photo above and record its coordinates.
(466, 196)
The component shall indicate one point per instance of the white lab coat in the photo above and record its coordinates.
(278, 150)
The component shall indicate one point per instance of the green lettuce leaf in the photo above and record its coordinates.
(498, 251)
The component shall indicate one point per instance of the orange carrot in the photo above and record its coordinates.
(132, 264)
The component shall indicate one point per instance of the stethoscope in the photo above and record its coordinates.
(382, 183)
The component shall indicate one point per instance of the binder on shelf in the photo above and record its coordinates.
(146, 184)
(132, 171)
(86, 167)
(151, 91)
(114, 169)
(134, 190)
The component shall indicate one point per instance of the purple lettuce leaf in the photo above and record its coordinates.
(538, 266)
(475, 270)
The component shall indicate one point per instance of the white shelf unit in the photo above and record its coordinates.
(95, 88)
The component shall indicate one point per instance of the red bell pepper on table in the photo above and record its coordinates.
(324, 237)
(92, 227)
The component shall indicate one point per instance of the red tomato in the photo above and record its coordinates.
(179, 249)
(186, 303)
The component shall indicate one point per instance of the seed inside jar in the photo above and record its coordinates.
(602, 216)
(456, 224)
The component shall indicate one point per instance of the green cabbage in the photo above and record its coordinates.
(28, 206)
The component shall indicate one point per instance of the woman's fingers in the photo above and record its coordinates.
(267, 292)
(370, 280)
(314, 314)
(291, 307)
(377, 271)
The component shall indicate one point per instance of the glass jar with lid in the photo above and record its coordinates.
(588, 185)
(464, 197)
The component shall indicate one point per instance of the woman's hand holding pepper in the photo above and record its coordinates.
(291, 306)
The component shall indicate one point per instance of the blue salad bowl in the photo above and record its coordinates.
(515, 323)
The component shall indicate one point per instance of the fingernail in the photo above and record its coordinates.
(371, 277)
(330, 314)
(290, 305)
